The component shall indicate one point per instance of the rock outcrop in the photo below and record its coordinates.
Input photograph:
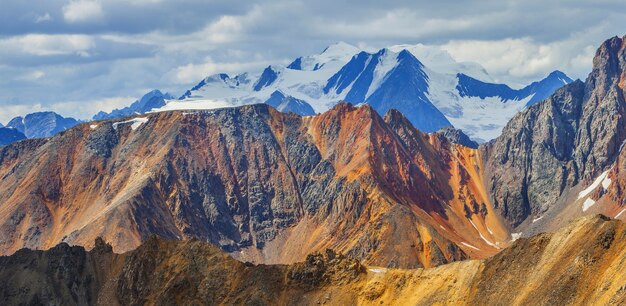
(568, 139)
(457, 136)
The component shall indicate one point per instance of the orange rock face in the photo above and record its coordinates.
(263, 185)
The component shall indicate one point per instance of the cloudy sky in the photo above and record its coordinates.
(80, 56)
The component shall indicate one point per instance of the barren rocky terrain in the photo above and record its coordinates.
(584, 263)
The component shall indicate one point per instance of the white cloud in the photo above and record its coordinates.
(517, 41)
(33, 76)
(43, 18)
(397, 24)
(192, 73)
(76, 109)
(224, 30)
(48, 45)
(518, 61)
(82, 11)
(8, 112)
(143, 2)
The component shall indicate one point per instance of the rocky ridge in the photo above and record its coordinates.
(267, 186)
(581, 264)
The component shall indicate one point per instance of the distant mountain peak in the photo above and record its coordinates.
(568, 139)
(286, 103)
(340, 47)
(557, 74)
(535, 92)
(149, 101)
(41, 124)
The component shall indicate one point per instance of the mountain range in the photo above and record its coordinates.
(264, 185)
(9, 135)
(270, 187)
(426, 84)
(349, 205)
(41, 124)
(439, 94)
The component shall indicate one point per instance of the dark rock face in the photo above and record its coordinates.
(268, 77)
(570, 137)
(325, 268)
(296, 64)
(162, 273)
(63, 275)
(102, 141)
(457, 136)
(9, 135)
(43, 124)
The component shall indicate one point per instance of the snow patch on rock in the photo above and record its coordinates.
(377, 270)
(599, 180)
(588, 203)
(136, 123)
(483, 237)
(470, 246)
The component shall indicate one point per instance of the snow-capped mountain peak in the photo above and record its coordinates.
(438, 59)
(340, 48)
(425, 83)
(386, 62)
(332, 57)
